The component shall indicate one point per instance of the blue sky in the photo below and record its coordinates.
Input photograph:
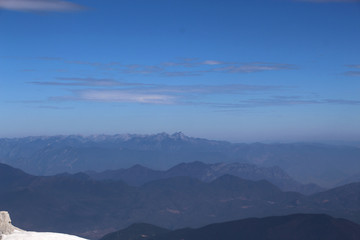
(244, 71)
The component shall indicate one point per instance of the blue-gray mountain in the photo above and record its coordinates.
(79, 205)
(292, 227)
(138, 175)
(325, 165)
(351, 179)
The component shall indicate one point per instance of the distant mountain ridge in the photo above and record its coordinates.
(137, 231)
(325, 165)
(138, 175)
(78, 205)
(291, 227)
(351, 179)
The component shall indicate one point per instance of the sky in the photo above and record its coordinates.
(242, 71)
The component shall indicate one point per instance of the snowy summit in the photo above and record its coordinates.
(9, 232)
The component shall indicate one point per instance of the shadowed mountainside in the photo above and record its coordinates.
(291, 227)
(79, 205)
(136, 231)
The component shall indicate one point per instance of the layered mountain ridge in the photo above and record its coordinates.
(325, 165)
(138, 175)
(79, 205)
(291, 227)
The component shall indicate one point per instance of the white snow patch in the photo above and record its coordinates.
(24, 235)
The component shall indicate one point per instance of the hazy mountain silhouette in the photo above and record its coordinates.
(79, 205)
(138, 175)
(136, 231)
(325, 165)
(291, 227)
(351, 179)
(344, 201)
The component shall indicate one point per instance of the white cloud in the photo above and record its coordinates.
(159, 94)
(124, 96)
(212, 62)
(40, 5)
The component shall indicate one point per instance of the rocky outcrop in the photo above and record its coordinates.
(8, 231)
(5, 224)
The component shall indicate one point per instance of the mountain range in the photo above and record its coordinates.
(138, 175)
(325, 165)
(291, 227)
(351, 179)
(79, 205)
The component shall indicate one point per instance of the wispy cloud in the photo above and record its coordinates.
(286, 101)
(183, 68)
(54, 107)
(353, 66)
(40, 5)
(353, 73)
(342, 101)
(254, 67)
(124, 96)
(192, 62)
(99, 82)
(226, 67)
(94, 64)
(181, 74)
(210, 89)
(212, 62)
(159, 94)
(110, 90)
(234, 88)
(50, 58)
(141, 69)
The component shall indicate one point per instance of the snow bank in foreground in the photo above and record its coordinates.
(23, 235)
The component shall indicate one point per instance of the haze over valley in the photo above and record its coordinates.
(325, 165)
